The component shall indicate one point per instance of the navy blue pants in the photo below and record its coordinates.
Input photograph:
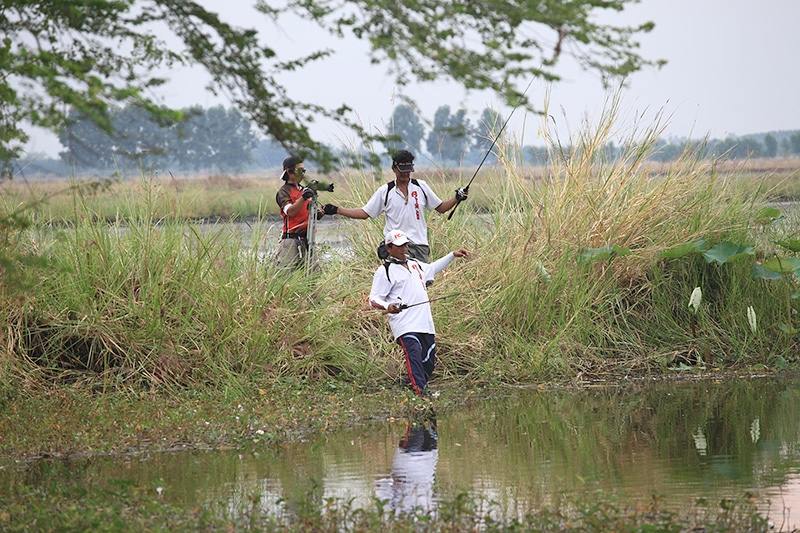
(420, 354)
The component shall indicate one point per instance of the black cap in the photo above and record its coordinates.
(403, 160)
(289, 163)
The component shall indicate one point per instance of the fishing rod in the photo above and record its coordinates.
(408, 306)
(489, 151)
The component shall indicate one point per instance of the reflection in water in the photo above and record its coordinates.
(700, 442)
(680, 441)
(413, 469)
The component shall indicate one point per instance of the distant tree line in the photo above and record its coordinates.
(454, 139)
(222, 139)
(773, 144)
(215, 138)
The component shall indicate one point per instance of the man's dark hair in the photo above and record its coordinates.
(291, 161)
(402, 156)
(288, 165)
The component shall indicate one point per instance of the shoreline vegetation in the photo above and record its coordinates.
(75, 422)
(153, 336)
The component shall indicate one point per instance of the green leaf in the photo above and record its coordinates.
(768, 215)
(725, 252)
(759, 272)
(790, 244)
(590, 255)
(682, 250)
(782, 264)
(787, 329)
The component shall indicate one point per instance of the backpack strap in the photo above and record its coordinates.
(391, 184)
(389, 187)
(386, 265)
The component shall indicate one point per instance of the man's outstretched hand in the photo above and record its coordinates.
(461, 252)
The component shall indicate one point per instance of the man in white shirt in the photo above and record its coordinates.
(404, 201)
(397, 287)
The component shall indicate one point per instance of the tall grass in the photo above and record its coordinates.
(213, 198)
(535, 311)
(167, 304)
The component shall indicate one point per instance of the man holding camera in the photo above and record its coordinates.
(404, 201)
(294, 201)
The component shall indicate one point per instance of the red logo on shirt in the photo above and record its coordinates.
(416, 203)
(419, 272)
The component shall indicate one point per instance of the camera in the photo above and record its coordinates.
(316, 185)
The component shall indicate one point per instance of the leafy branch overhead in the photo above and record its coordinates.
(488, 44)
(84, 56)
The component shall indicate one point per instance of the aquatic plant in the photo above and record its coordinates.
(695, 299)
(751, 319)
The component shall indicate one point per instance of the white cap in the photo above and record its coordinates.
(397, 237)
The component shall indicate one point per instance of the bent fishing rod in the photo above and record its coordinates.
(408, 306)
(403, 307)
(489, 151)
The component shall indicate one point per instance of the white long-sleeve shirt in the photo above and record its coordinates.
(407, 286)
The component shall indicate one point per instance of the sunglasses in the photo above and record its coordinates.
(300, 171)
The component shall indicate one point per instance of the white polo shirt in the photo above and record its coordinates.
(404, 213)
(407, 286)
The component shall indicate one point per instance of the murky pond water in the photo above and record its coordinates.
(332, 235)
(678, 441)
(331, 232)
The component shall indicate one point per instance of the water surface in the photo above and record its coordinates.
(680, 442)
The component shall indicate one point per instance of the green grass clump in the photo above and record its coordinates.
(157, 303)
(167, 304)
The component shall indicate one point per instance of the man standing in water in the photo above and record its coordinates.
(404, 201)
(398, 286)
(293, 201)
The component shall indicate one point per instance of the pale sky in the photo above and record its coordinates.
(731, 70)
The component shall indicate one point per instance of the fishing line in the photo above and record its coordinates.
(494, 141)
